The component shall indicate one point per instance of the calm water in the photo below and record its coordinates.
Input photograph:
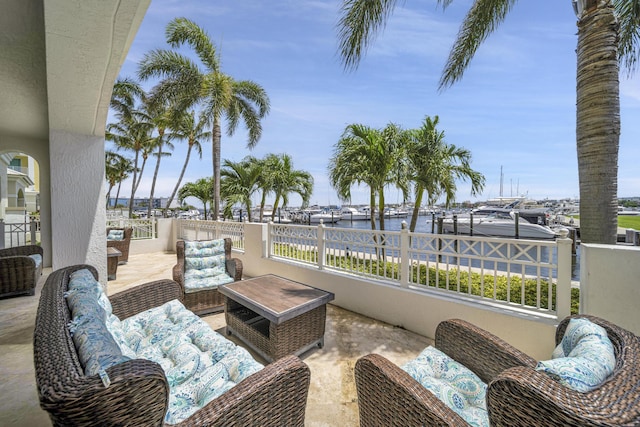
(422, 226)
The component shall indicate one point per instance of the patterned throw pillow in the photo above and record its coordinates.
(452, 383)
(584, 359)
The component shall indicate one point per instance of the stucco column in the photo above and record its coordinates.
(78, 215)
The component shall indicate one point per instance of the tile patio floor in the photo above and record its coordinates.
(332, 397)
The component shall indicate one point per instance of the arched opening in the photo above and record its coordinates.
(19, 199)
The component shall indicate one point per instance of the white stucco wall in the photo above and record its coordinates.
(610, 283)
(77, 201)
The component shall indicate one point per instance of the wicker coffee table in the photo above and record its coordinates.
(276, 316)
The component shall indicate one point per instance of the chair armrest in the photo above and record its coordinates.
(17, 273)
(143, 297)
(178, 274)
(273, 397)
(481, 351)
(523, 396)
(22, 250)
(234, 268)
(388, 396)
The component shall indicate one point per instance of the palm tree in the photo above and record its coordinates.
(133, 135)
(162, 117)
(201, 190)
(368, 156)
(117, 169)
(185, 127)
(598, 106)
(239, 180)
(286, 180)
(219, 95)
(436, 165)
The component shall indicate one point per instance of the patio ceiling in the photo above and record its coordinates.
(58, 62)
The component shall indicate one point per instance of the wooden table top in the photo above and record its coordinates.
(274, 297)
(111, 251)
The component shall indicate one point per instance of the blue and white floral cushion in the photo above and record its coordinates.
(584, 359)
(451, 382)
(37, 258)
(205, 265)
(115, 235)
(199, 363)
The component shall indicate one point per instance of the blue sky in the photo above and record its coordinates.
(514, 108)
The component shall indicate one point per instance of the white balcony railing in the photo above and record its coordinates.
(206, 230)
(142, 228)
(520, 275)
(523, 275)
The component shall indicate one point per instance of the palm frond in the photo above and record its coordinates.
(360, 21)
(483, 18)
(628, 14)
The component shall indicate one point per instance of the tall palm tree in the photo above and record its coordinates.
(368, 156)
(162, 117)
(239, 180)
(436, 166)
(201, 190)
(219, 95)
(186, 128)
(598, 106)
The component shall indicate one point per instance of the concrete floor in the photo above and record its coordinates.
(332, 397)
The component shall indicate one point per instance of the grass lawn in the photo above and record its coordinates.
(629, 221)
(624, 221)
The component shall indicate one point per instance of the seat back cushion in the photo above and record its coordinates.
(37, 258)
(205, 265)
(115, 235)
(584, 359)
(452, 383)
(90, 313)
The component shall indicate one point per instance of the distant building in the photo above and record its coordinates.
(19, 187)
(139, 203)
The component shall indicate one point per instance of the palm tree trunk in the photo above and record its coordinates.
(372, 208)
(416, 207)
(109, 194)
(117, 194)
(598, 123)
(184, 168)
(155, 177)
(215, 153)
(133, 185)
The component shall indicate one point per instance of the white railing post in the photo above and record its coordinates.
(33, 226)
(563, 287)
(154, 228)
(268, 239)
(321, 245)
(405, 262)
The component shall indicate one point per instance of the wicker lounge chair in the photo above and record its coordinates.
(207, 300)
(517, 395)
(121, 245)
(19, 273)
(138, 392)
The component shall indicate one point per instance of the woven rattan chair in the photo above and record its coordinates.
(121, 245)
(517, 395)
(19, 273)
(138, 394)
(205, 301)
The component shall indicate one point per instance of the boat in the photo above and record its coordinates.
(352, 214)
(315, 216)
(395, 213)
(497, 224)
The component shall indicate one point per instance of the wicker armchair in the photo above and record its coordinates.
(121, 245)
(139, 391)
(517, 395)
(19, 273)
(207, 300)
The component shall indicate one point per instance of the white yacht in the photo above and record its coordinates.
(352, 214)
(498, 224)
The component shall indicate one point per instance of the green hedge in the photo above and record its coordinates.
(476, 280)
